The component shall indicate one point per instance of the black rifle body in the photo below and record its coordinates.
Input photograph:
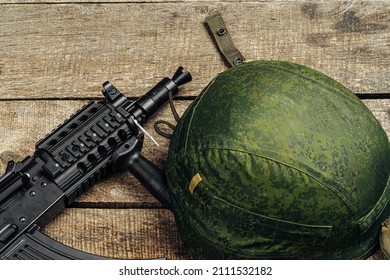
(101, 138)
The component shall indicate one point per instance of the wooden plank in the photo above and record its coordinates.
(65, 49)
(22, 123)
(135, 1)
(381, 110)
(119, 233)
(68, 50)
(123, 233)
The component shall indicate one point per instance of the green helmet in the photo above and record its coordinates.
(275, 160)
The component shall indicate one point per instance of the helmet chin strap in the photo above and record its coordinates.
(169, 125)
(233, 57)
(224, 41)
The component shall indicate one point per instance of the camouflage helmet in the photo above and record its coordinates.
(274, 160)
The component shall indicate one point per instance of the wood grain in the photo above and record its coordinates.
(133, 1)
(22, 123)
(119, 233)
(55, 54)
(123, 233)
(68, 50)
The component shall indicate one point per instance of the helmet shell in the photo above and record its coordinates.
(274, 160)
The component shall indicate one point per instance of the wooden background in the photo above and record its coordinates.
(54, 56)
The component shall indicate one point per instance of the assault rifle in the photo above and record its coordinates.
(100, 139)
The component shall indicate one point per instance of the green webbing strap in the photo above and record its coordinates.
(225, 44)
(224, 40)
